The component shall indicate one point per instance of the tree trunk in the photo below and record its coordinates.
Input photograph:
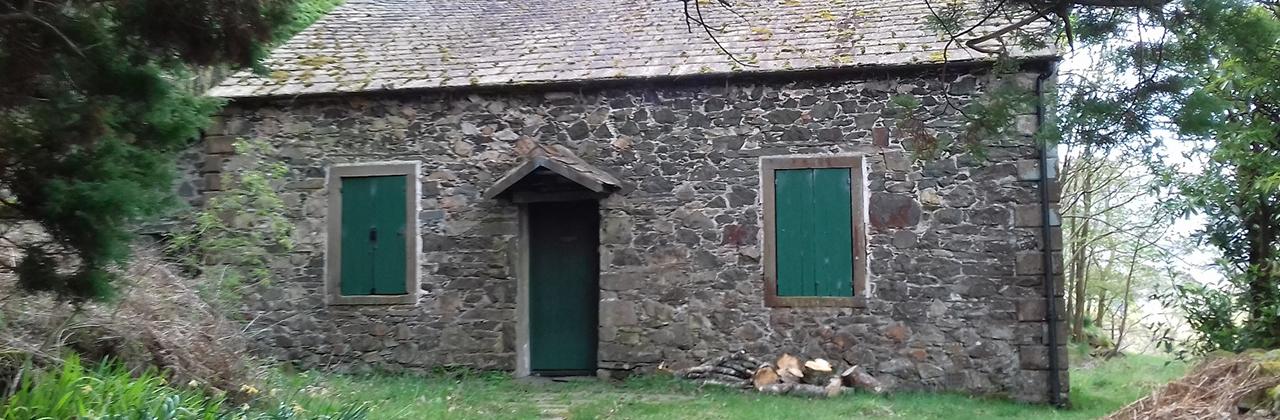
(1069, 285)
(1079, 257)
(1069, 224)
(1124, 308)
(1259, 233)
(1100, 308)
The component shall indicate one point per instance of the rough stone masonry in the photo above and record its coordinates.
(956, 301)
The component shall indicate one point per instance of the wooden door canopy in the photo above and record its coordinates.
(553, 173)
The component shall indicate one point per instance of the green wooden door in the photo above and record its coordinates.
(814, 229)
(373, 241)
(563, 287)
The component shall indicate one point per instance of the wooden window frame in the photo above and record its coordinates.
(333, 222)
(858, 183)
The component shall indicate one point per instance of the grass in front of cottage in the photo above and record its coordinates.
(1098, 388)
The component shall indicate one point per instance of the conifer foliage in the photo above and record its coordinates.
(92, 113)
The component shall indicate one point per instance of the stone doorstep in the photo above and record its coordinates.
(549, 380)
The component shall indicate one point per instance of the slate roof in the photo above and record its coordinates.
(371, 45)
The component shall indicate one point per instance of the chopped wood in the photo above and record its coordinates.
(817, 372)
(818, 364)
(719, 360)
(831, 389)
(857, 378)
(718, 369)
(834, 385)
(741, 365)
(847, 372)
(787, 376)
(765, 375)
(727, 384)
(727, 378)
(730, 370)
(778, 388)
(789, 367)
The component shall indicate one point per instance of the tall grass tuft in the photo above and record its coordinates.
(107, 391)
(110, 392)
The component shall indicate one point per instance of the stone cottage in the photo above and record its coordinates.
(586, 187)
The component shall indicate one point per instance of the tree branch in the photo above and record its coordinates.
(29, 16)
(689, 19)
(973, 43)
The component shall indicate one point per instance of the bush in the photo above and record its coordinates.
(111, 392)
(158, 321)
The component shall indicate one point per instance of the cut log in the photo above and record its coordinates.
(831, 389)
(857, 378)
(727, 384)
(764, 376)
(789, 368)
(741, 365)
(778, 388)
(817, 372)
(718, 369)
(731, 364)
(834, 385)
(818, 365)
(719, 360)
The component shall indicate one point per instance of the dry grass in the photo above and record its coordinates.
(1213, 390)
(158, 320)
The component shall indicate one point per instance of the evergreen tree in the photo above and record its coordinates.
(92, 112)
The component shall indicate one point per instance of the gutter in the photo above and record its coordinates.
(1046, 231)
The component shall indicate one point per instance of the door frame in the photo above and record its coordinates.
(523, 350)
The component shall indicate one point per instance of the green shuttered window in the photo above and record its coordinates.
(373, 229)
(371, 256)
(814, 230)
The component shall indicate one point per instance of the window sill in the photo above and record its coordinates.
(406, 299)
(815, 302)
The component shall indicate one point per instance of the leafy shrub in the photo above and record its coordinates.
(110, 392)
(107, 391)
(231, 240)
(1215, 316)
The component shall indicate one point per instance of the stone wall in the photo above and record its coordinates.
(955, 296)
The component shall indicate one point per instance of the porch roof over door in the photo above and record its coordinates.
(561, 161)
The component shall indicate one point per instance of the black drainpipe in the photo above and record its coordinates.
(1046, 232)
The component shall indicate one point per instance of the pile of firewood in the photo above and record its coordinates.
(785, 376)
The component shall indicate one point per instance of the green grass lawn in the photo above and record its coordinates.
(1097, 388)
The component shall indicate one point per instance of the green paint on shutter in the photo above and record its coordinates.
(357, 220)
(833, 232)
(373, 229)
(388, 250)
(813, 232)
(793, 191)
